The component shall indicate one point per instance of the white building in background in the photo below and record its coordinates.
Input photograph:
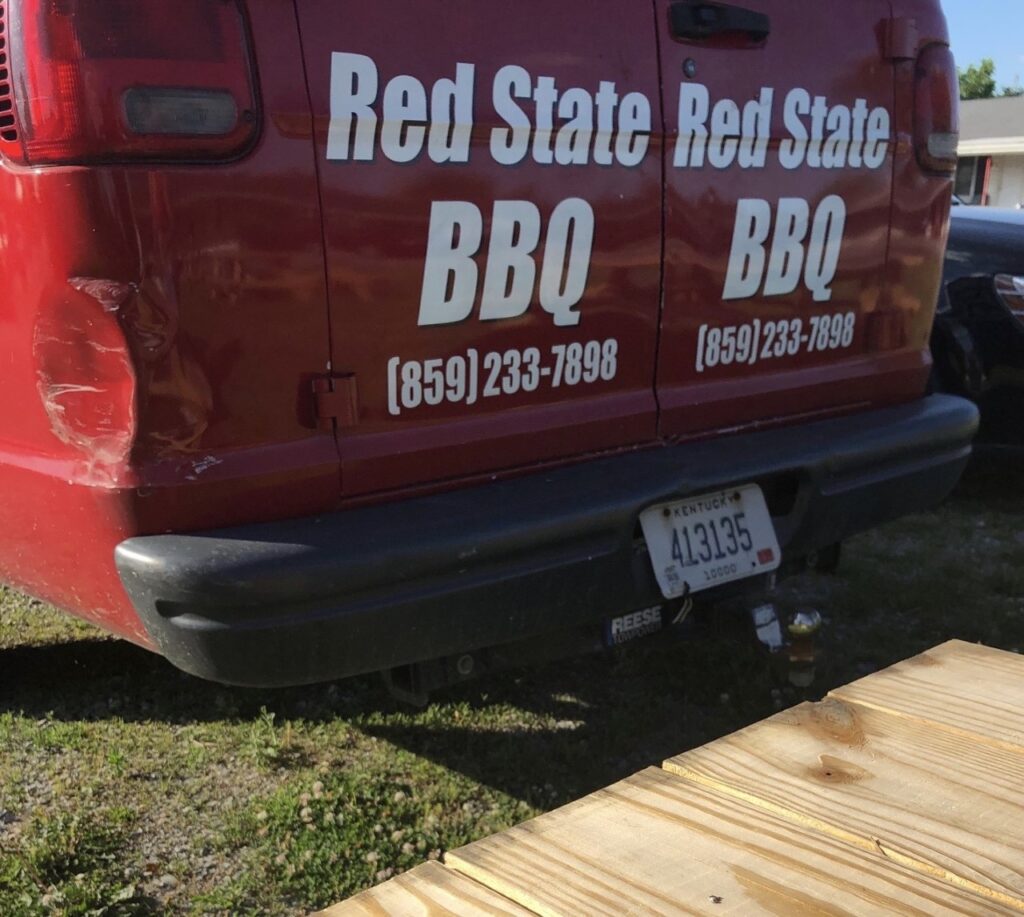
(991, 150)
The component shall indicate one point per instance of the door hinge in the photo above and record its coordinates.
(901, 38)
(336, 401)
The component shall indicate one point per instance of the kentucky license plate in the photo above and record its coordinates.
(709, 540)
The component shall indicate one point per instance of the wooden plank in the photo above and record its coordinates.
(655, 843)
(429, 890)
(925, 797)
(960, 687)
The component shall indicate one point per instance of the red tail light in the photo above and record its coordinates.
(107, 80)
(7, 129)
(936, 109)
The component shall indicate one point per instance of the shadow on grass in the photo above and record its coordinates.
(542, 735)
(97, 679)
(607, 716)
(994, 479)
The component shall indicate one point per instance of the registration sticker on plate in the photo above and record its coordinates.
(709, 540)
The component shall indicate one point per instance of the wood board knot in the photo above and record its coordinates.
(835, 770)
(832, 719)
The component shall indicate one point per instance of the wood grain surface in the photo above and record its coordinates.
(657, 844)
(923, 796)
(902, 793)
(429, 890)
(966, 689)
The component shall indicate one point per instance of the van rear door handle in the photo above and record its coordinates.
(698, 21)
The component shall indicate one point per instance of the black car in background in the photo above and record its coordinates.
(978, 339)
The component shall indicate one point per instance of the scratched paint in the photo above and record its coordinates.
(116, 380)
(86, 378)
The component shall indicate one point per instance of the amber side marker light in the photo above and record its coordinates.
(120, 80)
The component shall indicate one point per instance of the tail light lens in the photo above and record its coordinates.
(109, 80)
(936, 109)
(7, 129)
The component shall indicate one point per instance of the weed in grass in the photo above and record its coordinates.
(7, 728)
(69, 864)
(267, 745)
(57, 736)
(118, 761)
(196, 757)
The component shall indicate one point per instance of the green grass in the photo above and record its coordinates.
(28, 622)
(70, 864)
(319, 842)
(126, 785)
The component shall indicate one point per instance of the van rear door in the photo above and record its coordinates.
(490, 178)
(779, 160)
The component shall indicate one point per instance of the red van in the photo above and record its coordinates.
(339, 337)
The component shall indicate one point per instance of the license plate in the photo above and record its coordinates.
(709, 540)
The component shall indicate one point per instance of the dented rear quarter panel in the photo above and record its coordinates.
(160, 326)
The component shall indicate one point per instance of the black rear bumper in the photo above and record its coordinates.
(313, 599)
